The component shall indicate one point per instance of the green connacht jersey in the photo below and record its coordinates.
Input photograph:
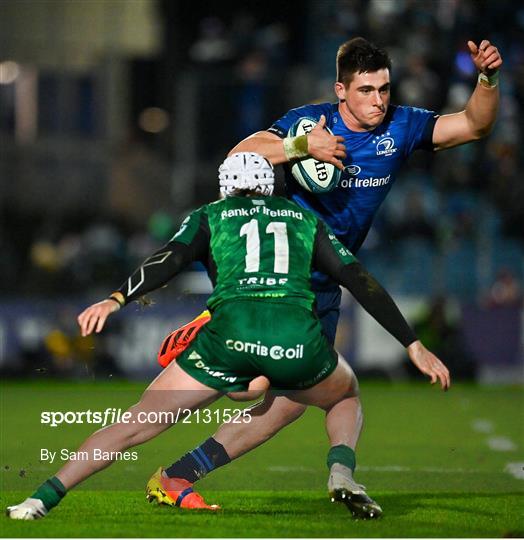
(264, 248)
(259, 247)
(252, 247)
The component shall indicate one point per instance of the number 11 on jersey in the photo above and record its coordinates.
(277, 228)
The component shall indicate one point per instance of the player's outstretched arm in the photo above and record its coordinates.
(379, 304)
(152, 274)
(477, 120)
(332, 258)
(319, 144)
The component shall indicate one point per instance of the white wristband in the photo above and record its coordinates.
(296, 147)
(489, 81)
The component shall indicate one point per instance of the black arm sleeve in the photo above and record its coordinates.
(363, 286)
(165, 264)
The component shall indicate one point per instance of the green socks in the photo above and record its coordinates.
(51, 492)
(342, 454)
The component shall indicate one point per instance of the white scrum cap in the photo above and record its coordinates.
(246, 171)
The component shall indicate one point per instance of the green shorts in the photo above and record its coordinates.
(248, 338)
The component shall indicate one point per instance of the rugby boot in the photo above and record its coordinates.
(343, 488)
(175, 492)
(178, 340)
(29, 509)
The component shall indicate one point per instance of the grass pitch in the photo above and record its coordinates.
(440, 465)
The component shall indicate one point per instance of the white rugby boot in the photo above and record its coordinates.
(29, 509)
(343, 488)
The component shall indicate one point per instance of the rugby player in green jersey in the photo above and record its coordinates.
(259, 251)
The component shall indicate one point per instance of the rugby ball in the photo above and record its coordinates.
(313, 175)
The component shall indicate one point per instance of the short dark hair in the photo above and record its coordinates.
(357, 56)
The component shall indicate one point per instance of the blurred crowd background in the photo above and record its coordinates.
(115, 114)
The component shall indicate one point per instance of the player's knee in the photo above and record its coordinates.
(353, 390)
(248, 395)
(349, 380)
(283, 412)
(291, 411)
(257, 388)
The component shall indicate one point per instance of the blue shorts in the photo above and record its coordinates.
(327, 307)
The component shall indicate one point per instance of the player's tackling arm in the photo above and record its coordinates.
(153, 273)
(336, 261)
(319, 144)
(479, 116)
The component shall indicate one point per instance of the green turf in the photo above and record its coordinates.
(432, 473)
(282, 514)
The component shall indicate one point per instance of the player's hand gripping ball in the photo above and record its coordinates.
(313, 175)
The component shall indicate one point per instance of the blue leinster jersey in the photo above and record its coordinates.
(372, 162)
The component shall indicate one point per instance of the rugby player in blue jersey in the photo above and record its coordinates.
(370, 142)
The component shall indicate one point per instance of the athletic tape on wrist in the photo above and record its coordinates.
(118, 297)
(296, 147)
(489, 81)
